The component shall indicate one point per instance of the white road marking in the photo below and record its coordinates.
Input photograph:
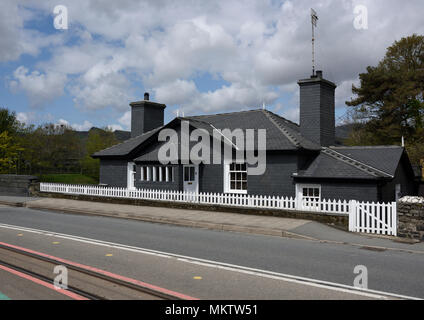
(224, 266)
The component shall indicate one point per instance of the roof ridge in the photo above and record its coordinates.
(226, 113)
(355, 163)
(130, 139)
(282, 118)
(368, 147)
(287, 134)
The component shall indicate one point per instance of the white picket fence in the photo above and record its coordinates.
(377, 218)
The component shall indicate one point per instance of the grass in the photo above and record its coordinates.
(68, 178)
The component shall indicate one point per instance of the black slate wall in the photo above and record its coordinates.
(113, 173)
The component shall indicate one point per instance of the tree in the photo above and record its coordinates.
(97, 140)
(9, 122)
(390, 98)
(9, 153)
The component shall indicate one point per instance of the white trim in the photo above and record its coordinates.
(160, 174)
(227, 186)
(154, 178)
(300, 186)
(131, 176)
(142, 173)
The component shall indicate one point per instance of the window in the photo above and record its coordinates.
(189, 174)
(237, 177)
(145, 173)
(157, 174)
(309, 194)
(169, 174)
(160, 174)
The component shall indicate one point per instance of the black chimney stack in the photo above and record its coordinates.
(145, 116)
(317, 109)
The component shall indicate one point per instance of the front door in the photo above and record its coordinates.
(131, 171)
(191, 178)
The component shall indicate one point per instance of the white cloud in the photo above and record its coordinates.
(260, 48)
(87, 125)
(115, 127)
(98, 91)
(40, 88)
(125, 120)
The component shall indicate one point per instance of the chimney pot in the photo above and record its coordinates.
(146, 96)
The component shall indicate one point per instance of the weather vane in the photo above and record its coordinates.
(314, 20)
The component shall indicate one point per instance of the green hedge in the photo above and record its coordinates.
(68, 178)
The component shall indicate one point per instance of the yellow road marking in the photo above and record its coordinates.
(197, 278)
(20, 234)
(109, 255)
(56, 242)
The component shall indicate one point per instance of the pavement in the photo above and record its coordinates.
(222, 221)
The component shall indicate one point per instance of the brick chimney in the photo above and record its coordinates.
(317, 109)
(146, 115)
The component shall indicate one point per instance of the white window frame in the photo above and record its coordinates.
(299, 192)
(142, 173)
(149, 173)
(160, 174)
(167, 171)
(227, 180)
(154, 177)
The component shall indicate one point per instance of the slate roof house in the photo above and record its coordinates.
(301, 160)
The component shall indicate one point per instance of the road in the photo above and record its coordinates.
(389, 271)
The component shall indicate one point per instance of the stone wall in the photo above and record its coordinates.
(20, 185)
(411, 218)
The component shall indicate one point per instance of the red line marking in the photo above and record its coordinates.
(43, 283)
(106, 273)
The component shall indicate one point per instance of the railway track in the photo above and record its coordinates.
(87, 282)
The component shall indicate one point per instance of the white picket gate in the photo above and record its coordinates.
(378, 218)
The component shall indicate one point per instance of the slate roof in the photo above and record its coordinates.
(281, 134)
(125, 148)
(378, 162)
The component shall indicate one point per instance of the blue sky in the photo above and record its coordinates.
(195, 56)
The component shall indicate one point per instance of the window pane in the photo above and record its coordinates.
(233, 176)
(316, 192)
(145, 173)
(244, 185)
(186, 174)
(233, 185)
(243, 167)
(238, 176)
(244, 176)
(310, 192)
(305, 192)
(192, 174)
(232, 167)
(238, 185)
(170, 174)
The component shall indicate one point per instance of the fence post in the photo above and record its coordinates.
(352, 215)
(394, 218)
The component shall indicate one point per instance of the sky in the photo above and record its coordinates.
(196, 56)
